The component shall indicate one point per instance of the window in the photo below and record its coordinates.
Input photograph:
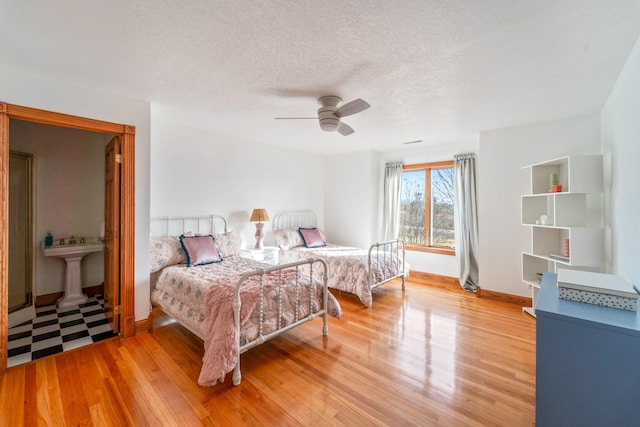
(426, 207)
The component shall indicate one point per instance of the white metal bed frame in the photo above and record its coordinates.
(165, 226)
(380, 250)
(206, 224)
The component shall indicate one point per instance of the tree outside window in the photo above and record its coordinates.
(426, 207)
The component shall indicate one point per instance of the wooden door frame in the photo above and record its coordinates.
(127, 211)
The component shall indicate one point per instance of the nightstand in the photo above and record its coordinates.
(268, 254)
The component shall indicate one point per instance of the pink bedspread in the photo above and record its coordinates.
(221, 338)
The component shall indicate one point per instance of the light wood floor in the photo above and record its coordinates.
(428, 356)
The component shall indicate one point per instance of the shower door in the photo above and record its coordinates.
(20, 231)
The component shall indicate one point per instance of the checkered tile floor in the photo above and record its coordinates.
(55, 330)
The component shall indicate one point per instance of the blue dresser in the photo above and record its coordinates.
(587, 362)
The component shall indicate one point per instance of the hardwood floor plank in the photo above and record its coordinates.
(49, 401)
(12, 390)
(161, 385)
(104, 406)
(29, 399)
(286, 381)
(193, 393)
(116, 399)
(74, 404)
(429, 355)
(155, 410)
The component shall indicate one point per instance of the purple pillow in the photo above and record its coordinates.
(312, 237)
(200, 250)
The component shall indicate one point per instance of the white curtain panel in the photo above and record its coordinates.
(466, 220)
(391, 208)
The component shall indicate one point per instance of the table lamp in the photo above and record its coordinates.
(258, 216)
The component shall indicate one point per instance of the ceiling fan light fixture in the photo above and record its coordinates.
(329, 124)
(328, 121)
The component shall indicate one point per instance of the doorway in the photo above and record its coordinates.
(124, 269)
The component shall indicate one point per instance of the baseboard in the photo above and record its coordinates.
(509, 298)
(49, 299)
(435, 279)
(144, 325)
(454, 284)
(92, 291)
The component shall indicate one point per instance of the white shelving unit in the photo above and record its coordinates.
(573, 215)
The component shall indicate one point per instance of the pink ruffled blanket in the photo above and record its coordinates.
(221, 339)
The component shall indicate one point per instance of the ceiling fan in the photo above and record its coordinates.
(330, 113)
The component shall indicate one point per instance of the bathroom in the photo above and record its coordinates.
(68, 180)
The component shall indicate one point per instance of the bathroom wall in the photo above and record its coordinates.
(69, 195)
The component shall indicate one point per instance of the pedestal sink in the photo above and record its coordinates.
(72, 255)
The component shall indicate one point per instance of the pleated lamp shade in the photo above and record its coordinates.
(259, 215)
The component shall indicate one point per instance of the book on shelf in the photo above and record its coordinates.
(559, 257)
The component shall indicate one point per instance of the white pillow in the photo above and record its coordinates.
(165, 251)
(228, 244)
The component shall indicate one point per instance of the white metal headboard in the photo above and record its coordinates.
(169, 226)
(294, 219)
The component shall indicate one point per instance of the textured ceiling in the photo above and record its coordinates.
(432, 70)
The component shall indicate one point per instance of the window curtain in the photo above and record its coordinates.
(466, 220)
(391, 208)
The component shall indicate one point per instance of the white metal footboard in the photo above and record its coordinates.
(302, 268)
(386, 253)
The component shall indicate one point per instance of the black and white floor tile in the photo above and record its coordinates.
(55, 330)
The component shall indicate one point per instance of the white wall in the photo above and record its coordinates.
(502, 181)
(37, 90)
(351, 199)
(621, 150)
(68, 168)
(196, 171)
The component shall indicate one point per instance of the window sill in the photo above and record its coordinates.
(431, 249)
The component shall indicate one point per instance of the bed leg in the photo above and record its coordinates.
(325, 324)
(403, 282)
(237, 377)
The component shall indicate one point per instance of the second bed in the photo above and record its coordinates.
(350, 269)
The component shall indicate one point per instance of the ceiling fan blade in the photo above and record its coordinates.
(344, 129)
(352, 107)
(295, 118)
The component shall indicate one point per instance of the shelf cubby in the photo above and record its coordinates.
(532, 265)
(576, 174)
